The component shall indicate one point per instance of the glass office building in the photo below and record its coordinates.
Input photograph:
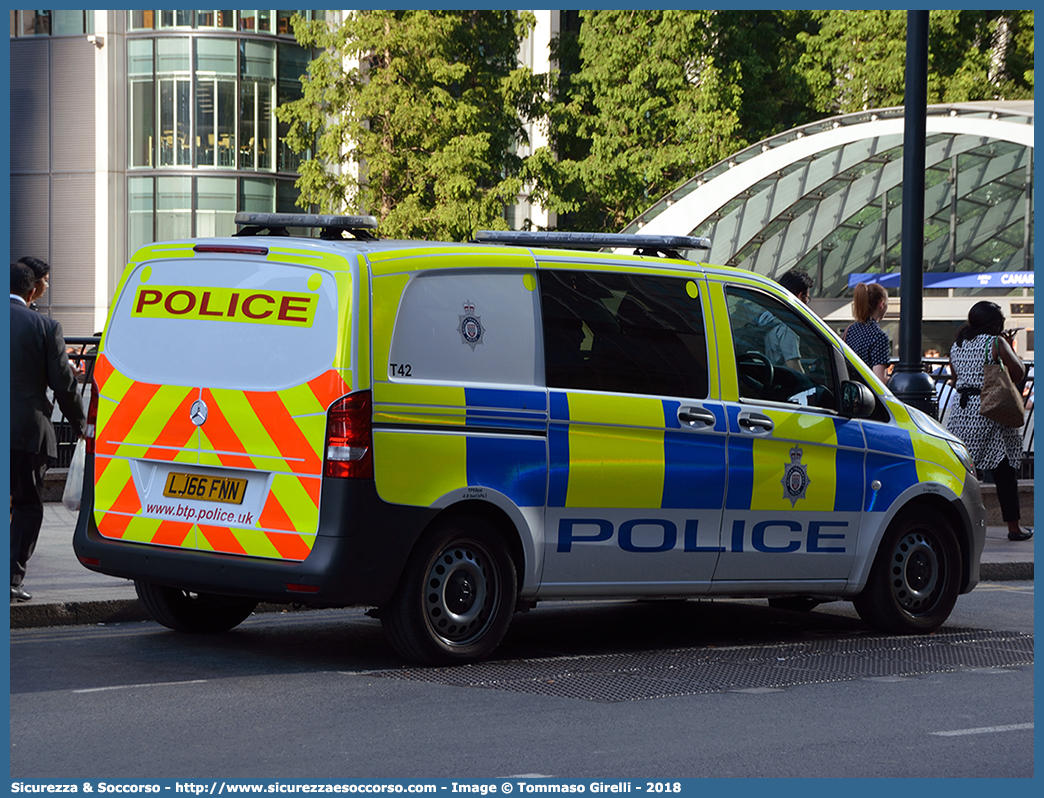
(203, 140)
(129, 127)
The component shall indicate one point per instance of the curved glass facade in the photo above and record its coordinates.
(203, 139)
(827, 198)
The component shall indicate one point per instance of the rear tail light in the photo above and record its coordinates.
(231, 249)
(349, 437)
(92, 417)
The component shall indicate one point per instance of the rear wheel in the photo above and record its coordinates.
(456, 595)
(200, 613)
(915, 578)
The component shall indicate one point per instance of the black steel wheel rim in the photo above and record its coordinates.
(917, 571)
(460, 593)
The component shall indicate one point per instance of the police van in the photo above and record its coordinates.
(452, 432)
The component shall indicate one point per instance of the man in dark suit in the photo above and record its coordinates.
(38, 362)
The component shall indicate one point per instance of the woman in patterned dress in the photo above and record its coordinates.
(865, 335)
(993, 447)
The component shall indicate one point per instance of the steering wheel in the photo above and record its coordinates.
(756, 371)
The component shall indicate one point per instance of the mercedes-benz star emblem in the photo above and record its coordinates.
(198, 412)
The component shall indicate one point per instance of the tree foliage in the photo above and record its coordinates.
(423, 132)
(856, 60)
(655, 96)
(415, 117)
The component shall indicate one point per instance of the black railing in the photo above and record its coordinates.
(939, 368)
(81, 354)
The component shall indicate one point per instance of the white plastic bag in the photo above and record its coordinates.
(74, 479)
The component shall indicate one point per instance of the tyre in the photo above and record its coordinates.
(199, 613)
(456, 595)
(915, 577)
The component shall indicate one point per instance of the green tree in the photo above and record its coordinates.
(423, 131)
(855, 60)
(645, 99)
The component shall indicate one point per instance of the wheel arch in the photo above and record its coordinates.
(497, 518)
(459, 589)
(957, 523)
(917, 571)
(923, 496)
(934, 502)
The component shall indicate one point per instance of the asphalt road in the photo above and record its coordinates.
(641, 690)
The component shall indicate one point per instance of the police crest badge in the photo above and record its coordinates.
(795, 477)
(470, 327)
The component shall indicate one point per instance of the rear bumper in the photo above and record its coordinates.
(358, 556)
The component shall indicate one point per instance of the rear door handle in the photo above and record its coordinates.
(755, 422)
(696, 417)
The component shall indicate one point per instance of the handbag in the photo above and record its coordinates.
(74, 479)
(1000, 400)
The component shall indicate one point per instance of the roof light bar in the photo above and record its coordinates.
(331, 228)
(535, 238)
(306, 220)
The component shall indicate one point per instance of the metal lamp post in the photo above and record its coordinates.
(909, 382)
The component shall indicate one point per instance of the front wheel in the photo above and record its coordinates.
(915, 577)
(456, 595)
(200, 613)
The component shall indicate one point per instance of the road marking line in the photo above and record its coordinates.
(132, 686)
(995, 587)
(984, 730)
(757, 690)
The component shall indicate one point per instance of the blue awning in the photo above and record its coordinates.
(950, 279)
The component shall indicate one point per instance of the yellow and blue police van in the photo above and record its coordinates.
(450, 432)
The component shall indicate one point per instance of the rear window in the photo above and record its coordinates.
(224, 323)
(624, 333)
(467, 326)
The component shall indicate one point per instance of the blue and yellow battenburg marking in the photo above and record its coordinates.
(651, 464)
(832, 455)
(591, 460)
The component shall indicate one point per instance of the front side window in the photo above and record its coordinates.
(779, 357)
(624, 333)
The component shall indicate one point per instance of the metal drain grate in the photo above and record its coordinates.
(691, 671)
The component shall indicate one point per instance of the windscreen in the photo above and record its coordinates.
(242, 324)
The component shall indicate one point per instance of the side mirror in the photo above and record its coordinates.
(857, 400)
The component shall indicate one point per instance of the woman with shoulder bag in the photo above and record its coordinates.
(993, 446)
